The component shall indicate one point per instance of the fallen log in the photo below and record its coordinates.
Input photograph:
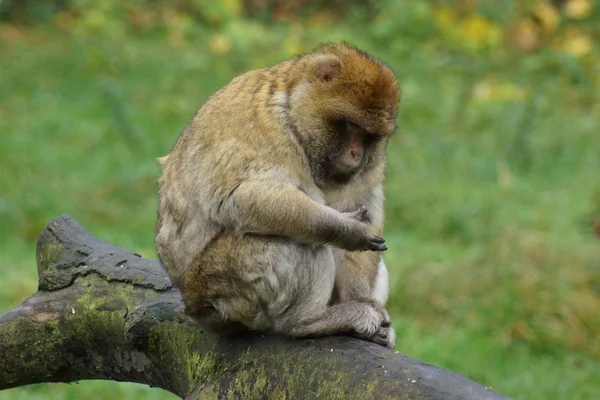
(103, 312)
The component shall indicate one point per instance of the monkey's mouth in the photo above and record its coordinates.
(333, 172)
(341, 175)
(346, 168)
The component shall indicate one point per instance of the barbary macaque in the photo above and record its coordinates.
(270, 211)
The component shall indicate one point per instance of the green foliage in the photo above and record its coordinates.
(493, 177)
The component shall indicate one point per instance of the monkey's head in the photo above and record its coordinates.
(343, 108)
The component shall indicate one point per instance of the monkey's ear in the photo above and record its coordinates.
(325, 68)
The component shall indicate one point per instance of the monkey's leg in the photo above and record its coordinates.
(256, 281)
(356, 275)
(363, 277)
(381, 288)
(311, 315)
(354, 318)
(280, 209)
(272, 285)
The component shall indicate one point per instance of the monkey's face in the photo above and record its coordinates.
(343, 150)
(343, 111)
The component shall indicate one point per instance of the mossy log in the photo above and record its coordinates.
(103, 312)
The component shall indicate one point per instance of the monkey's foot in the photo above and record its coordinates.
(374, 325)
(380, 309)
(385, 336)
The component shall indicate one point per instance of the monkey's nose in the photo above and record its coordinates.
(356, 155)
(349, 161)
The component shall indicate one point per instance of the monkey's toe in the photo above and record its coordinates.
(369, 323)
(385, 337)
(386, 321)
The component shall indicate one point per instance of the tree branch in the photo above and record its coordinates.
(103, 312)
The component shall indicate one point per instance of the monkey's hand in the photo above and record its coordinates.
(356, 235)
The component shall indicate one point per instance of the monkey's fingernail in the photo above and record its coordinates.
(378, 239)
(378, 247)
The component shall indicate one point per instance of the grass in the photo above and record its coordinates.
(494, 264)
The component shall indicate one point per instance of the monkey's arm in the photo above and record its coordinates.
(362, 276)
(282, 209)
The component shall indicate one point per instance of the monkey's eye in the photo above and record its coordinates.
(343, 127)
(371, 139)
(346, 127)
(355, 129)
(351, 126)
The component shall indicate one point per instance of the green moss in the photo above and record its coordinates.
(172, 343)
(48, 254)
(121, 297)
(280, 375)
(92, 324)
(38, 356)
(333, 388)
(251, 383)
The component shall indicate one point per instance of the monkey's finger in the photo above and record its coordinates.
(377, 247)
(377, 239)
(362, 214)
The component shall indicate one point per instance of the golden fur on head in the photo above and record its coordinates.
(361, 78)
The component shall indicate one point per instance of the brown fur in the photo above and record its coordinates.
(257, 219)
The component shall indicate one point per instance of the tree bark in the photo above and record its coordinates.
(103, 312)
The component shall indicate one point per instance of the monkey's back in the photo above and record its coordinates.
(238, 134)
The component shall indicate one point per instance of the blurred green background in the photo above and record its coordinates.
(493, 190)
